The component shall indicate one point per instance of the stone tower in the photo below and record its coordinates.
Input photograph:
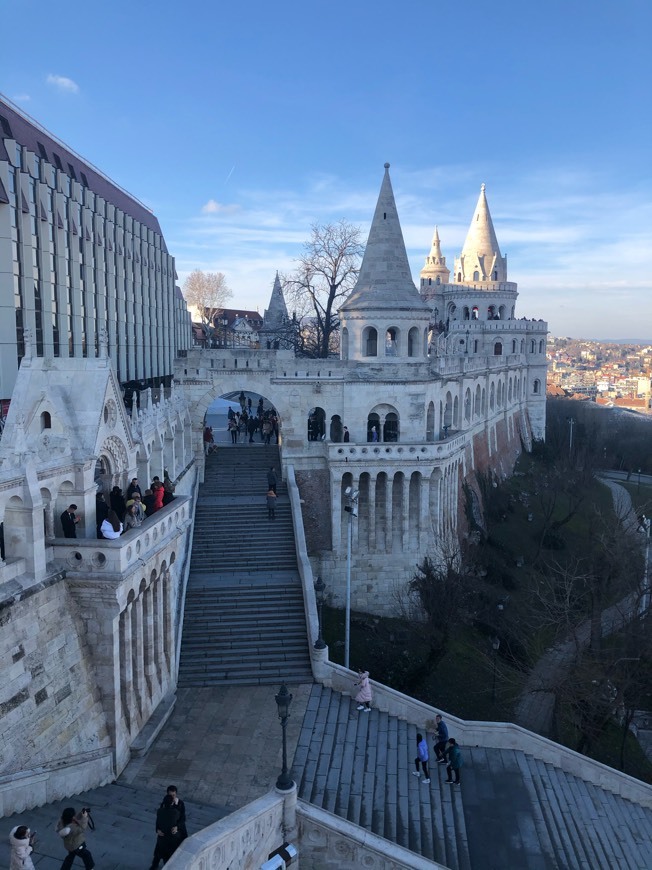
(435, 272)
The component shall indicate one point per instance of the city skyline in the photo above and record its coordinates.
(242, 129)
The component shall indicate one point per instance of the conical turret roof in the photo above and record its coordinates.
(435, 265)
(277, 314)
(385, 280)
(481, 238)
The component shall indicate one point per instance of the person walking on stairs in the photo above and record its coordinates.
(72, 829)
(271, 504)
(454, 762)
(422, 759)
(442, 738)
(271, 478)
(365, 695)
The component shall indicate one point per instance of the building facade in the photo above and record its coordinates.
(78, 255)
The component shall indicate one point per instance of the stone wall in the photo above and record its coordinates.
(314, 489)
(50, 707)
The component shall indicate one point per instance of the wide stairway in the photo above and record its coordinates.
(244, 618)
(510, 811)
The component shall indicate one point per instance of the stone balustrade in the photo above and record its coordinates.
(92, 555)
(390, 453)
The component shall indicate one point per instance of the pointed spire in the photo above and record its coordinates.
(385, 280)
(435, 265)
(481, 260)
(277, 314)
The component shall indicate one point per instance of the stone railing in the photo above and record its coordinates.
(137, 545)
(243, 839)
(385, 452)
(52, 782)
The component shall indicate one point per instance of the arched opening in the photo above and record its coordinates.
(447, 420)
(336, 428)
(475, 314)
(513, 345)
(541, 346)
(491, 312)
(478, 400)
(46, 421)
(452, 310)
(391, 342)
(499, 394)
(459, 277)
(413, 342)
(467, 406)
(103, 475)
(466, 314)
(456, 413)
(501, 312)
(492, 397)
(498, 348)
(345, 343)
(438, 280)
(509, 391)
(391, 428)
(430, 422)
(243, 416)
(476, 275)
(484, 401)
(373, 428)
(370, 341)
(536, 386)
(316, 424)
(533, 346)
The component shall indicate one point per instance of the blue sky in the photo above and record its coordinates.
(240, 125)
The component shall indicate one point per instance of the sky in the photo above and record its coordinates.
(241, 126)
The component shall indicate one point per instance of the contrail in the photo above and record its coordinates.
(230, 174)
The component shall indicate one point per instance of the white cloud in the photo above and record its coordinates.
(215, 207)
(21, 98)
(63, 83)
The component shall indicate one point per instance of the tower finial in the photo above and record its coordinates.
(387, 166)
(482, 186)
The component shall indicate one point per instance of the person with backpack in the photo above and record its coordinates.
(422, 759)
(454, 762)
(442, 738)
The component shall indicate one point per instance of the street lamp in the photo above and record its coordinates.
(352, 499)
(283, 700)
(495, 645)
(320, 586)
(639, 481)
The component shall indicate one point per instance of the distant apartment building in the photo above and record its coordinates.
(81, 262)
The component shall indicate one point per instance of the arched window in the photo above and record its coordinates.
(466, 314)
(46, 420)
(370, 342)
(430, 422)
(390, 428)
(498, 348)
(456, 413)
(451, 311)
(484, 401)
(391, 342)
(476, 275)
(438, 280)
(475, 314)
(413, 342)
(345, 343)
(509, 391)
(522, 345)
(492, 397)
(513, 345)
(459, 277)
(478, 399)
(536, 386)
(447, 419)
(336, 429)
(501, 312)
(495, 275)
(316, 424)
(541, 346)
(499, 394)
(373, 427)
(467, 406)
(429, 282)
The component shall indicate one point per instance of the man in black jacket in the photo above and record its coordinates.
(69, 521)
(168, 835)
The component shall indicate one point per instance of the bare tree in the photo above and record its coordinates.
(208, 293)
(325, 275)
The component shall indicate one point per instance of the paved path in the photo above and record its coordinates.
(535, 706)
(221, 748)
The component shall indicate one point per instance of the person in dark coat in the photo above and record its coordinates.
(148, 502)
(101, 512)
(252, 425)
(133, 487)
(167, 832)
(179, 804)
(69, 520)
(271, 504)
(118, 503)
(271, 479)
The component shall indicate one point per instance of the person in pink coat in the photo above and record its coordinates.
(364, 696)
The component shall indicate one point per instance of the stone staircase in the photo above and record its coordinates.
(511, 810)
(244, 613)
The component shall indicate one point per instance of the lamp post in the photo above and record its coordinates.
(320, 586)
(571, 423)
(352, 499)
(495, 645)
(283, 700)
(638, 489)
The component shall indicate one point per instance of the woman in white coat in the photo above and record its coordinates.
(21, 841)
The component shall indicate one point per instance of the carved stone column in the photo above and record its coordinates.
(372, 513)
(126, 671)
(138, 664)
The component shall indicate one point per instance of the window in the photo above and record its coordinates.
(370, 342)
(84, 179)
(498, 348)
(57, 161)
(46, 420)
(476, 275)
(71, 169)
(42, 151)
(536, 386)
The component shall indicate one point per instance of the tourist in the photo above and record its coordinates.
(132, 520)
(252, 425)
(243, 400)
(137, 503)
(118, 503)
(168, 488)
(21, 840)
(374, 434)
(148, 502)
(365, 695)
(72, 828)
(454, 762)
(69, 520)
(271, 479)
(421, 759)
(271, 504)
(181, 807)
(232, 426)
(101, 512)
(132, 488)
(208, 439)
(167, 831)
(441, 737)
(347, 437)
(111, 528)
(267, 430)
(158, 492)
